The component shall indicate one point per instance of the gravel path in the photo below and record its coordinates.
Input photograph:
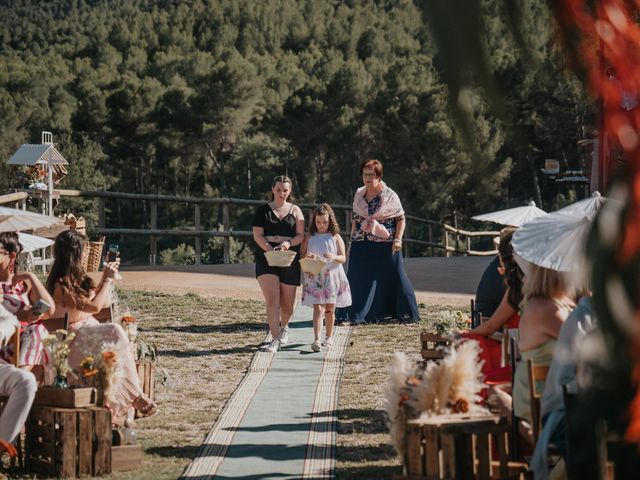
(436, 280)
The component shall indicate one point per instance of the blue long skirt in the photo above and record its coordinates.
(380, 288)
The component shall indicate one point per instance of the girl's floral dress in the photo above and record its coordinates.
(330, 286)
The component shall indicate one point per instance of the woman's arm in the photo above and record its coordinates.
(258, 237)
(340, 255)
(102, 292)
(401, 224)
(501, 316)
(303, 248)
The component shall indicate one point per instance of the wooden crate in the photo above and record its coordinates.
(65, 397)
(68, 442)
(126, 457)
(458, 447)
(433, 345)
(147, 375)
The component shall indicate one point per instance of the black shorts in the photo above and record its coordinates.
(288, 275)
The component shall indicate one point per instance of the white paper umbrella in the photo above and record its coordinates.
(14, 220)
(555, 241)
(514, 217)
(586, 206)
(31, 243)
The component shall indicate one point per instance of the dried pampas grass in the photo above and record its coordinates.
(449, 386)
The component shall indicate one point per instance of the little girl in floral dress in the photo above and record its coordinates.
(329, 288)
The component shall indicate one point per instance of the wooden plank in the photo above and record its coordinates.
(42, 449)
(501, 440)
(101, 441)
(66, 427)
(65, 397)
(483, 455)
(413, 451)
(448, 456)
(85, 442)
(126, 457)
(36, 465)
(431, 452)
(463, 456)
(432, 354)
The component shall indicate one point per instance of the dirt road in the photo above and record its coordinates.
(436, 280)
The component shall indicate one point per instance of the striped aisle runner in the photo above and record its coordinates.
(281, 421)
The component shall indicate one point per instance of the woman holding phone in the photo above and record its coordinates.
(24, 296)
(75, 294)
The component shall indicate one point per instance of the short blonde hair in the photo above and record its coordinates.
(540, 282)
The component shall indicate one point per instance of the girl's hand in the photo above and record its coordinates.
(111, 269)
(22, 277)
(329, 256)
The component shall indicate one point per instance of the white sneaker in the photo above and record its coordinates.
(284, 335)
(273, 346)
(315, 346)
(327, 342)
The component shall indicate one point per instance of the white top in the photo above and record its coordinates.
(321, 243)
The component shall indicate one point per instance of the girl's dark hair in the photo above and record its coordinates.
(282, 179)
(10, 242)
(513, 276)
(324, 209)
(67, 271)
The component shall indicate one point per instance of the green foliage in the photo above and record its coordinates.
(217, 97)
(181, 255)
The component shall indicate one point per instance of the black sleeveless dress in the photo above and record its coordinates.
(274, 226)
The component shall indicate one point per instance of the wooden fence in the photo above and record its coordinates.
(436, 236)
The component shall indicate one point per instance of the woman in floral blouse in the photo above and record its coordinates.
(380, 287)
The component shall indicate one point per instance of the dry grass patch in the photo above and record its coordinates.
(364, 450)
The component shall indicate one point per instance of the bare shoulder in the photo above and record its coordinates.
(297, 213)
(541, 310)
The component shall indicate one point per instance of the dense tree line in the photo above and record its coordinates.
(215, 97)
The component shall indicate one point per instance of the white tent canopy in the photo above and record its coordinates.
(586, 206)
(514, 217)
(555, 241)
(31, 243)
(15, 220)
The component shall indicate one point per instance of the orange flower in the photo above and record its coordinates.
(128, 319)
(109, 357)
(89, 372)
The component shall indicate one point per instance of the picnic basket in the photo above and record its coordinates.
(311, 266)
(92, 255)
(280, 258)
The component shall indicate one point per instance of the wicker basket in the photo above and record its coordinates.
(280, 258)
(311, 266)
(92, 256)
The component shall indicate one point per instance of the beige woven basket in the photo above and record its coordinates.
(92, 255)
(311, 266)
(280, 258)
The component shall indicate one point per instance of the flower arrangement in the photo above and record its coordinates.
(108, 374)
(449, 386)
(57, 344)
(130, 325)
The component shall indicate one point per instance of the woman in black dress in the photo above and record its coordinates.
(278, 223)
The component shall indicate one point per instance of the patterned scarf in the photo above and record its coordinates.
(390, 207)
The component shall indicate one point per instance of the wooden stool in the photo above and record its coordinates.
(455, 447)
(433, 345)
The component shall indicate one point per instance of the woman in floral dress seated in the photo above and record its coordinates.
(75, 294)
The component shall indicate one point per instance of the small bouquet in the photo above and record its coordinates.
(57, 344)
(108, 374)
(130, 326)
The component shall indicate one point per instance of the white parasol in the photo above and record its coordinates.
(31, 243)
(586, 206)
(14, 220)
(514, 217)
(555, 241)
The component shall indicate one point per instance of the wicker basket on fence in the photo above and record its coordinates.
(311, 265)
(92, 255)
(280, 258)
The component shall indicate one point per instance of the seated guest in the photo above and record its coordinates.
(16, 384)
(563, 371)
(75, 294)
(548, 305)
(491, 288)
(506, 315)
(19, 292)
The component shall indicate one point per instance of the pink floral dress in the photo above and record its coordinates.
(330, 286)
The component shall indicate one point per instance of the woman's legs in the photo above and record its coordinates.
(287, 303)
(270, 286)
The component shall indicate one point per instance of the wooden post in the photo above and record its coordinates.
(153, 240)
(198, 238)
(347, 228)
(430, 239)
(446, 242)
(102, 220)
(468, 244)
(455, 224)
(226, 240)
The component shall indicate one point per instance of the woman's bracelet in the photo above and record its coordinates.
(397, 240)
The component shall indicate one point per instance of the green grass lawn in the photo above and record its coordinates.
(206, 345)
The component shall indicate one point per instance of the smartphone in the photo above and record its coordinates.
(113, 252)
(40, 307)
